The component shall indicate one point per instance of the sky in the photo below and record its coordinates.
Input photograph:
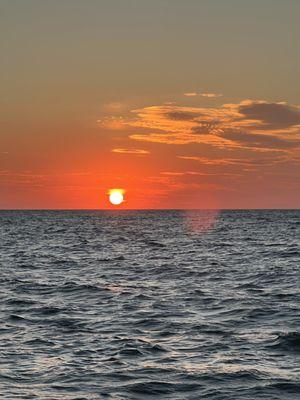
(182, 104)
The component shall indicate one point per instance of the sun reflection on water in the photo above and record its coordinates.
(200, 221)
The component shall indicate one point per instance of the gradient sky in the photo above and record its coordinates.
(184, 104)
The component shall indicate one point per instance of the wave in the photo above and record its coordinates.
(289, 341)
(136, 306)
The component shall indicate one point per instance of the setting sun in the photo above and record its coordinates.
(116, 196)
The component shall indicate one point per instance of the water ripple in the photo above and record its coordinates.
(142, 305)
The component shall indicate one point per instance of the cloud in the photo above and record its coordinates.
(271, 160)
(258, 140)
(205, 94)
(225, 142)
(211, 95)
(270, 115)
(246, 125)
(131, 151)
(181, 115)
(190, 94)
(210, 161)
(196, 173)
(112, 123)
(170, 173)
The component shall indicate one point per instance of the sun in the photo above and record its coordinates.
(116, 196)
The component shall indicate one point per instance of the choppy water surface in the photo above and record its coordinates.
(149, 305)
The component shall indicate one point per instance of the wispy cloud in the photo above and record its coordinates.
(196, 173)
(210, 94)
(205, 94)
(213, 161)
(271, 160)
(190, 94)
(112, 123)
(130, 151)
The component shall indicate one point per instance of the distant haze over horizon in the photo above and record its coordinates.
(183, 105)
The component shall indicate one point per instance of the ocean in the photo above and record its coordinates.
(150, 305)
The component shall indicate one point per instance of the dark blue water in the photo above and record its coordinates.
(149, 305)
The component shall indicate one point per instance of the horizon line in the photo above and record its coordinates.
(149, 209)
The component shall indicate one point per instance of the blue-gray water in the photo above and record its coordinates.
(149, 305)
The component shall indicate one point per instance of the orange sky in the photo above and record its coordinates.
(193, 106)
